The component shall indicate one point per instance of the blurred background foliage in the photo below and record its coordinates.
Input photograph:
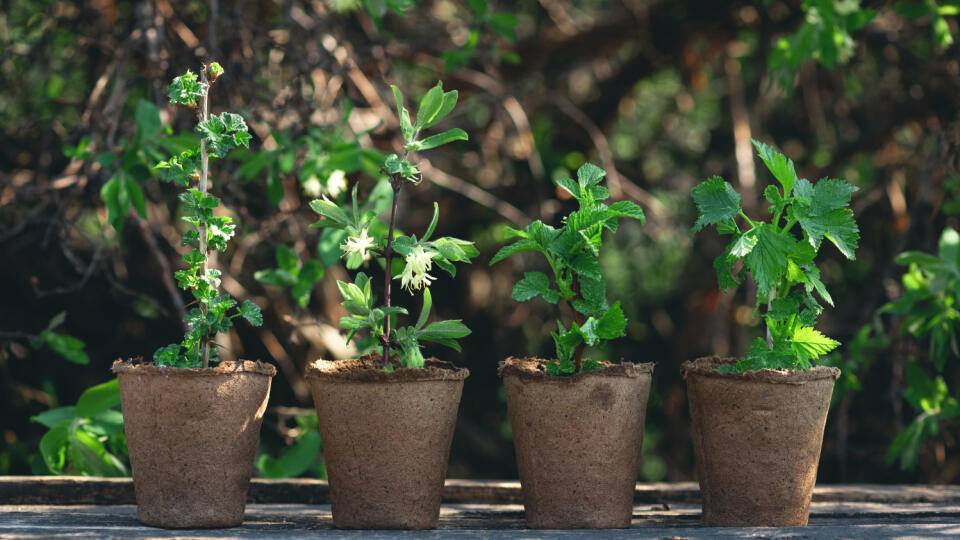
(662, 94)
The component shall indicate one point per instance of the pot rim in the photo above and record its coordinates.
(230, 367)
(433, 370)
(705, 367)
(523, 369)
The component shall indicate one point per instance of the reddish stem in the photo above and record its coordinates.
(388, 255)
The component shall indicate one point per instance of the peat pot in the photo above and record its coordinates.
(192, 436)
(757, 438)
(386, 439)
(578, 441)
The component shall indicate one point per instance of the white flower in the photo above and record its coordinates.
(414, 275)
(336, 183)
(358, 244)
(311, 187)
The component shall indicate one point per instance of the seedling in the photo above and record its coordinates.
(218, 135)
(781, 264)
(365, 241)
(572, 252)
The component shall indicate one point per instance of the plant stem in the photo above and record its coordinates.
(773, 295)
(578, 317)
(204, 115)
(396, 182)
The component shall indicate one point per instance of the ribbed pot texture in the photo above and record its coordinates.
(192, 436)
(757, 438)
(386, 440)
(578, 442)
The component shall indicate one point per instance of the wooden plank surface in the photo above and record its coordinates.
(66, 490)
(470, 521)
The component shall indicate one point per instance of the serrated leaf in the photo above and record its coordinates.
(780, 165)
(809, 344)
(589, 174)
(524, 244)
(767, 261)
(251, 312)
(612, 324)
(534, 284)
(628, 209)
(716, 202)
(743, 245)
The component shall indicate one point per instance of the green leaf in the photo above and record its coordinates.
(809, 344)
(53, 448)
(589, 174)
(294, 461)
(716, 201)
(115, 198)
(148, 121)
(425, 310)
(593, 296)
(586, 264)
(405, 126)
(767, 261)
(430, 105)
(628, 209)
(251, 312)
(823, 218)
(433, 223)
(54, 417)
(90, 457)
(287, 260)
(780, 165)
(335, 216)
(524, 244)
(532, 285)
(275, 277)
(612, 324)
(440, 139)
(66, 346)
(453, 329)
(216, 70)
(743, 244)
(135, 194)
(185, 90)
(98, 399)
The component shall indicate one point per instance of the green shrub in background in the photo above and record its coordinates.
(930, 308)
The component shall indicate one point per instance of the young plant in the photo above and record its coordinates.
(366, 240)
(572, 252)
(218, 135)
(779, 262)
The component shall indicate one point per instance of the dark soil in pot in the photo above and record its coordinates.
(192, 436)
(757, 439)
(578, 441)
(386, 439)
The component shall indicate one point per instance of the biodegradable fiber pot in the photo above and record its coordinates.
(578, 442)
(757, 438)
(192, 436)
(386, 439)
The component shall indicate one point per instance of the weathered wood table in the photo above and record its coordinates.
(33, 507)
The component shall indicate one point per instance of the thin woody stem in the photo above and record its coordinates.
(204, 115)
(396, 182)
